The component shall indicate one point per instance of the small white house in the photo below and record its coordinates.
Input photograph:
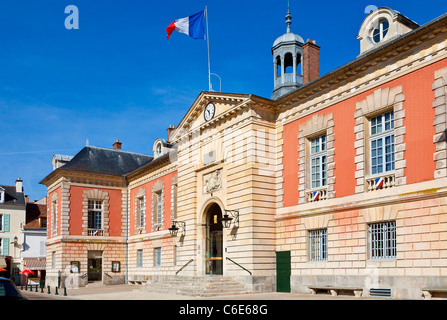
(34, 236)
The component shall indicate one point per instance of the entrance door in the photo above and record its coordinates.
(214, 241)
(94, 266)
(283, 271)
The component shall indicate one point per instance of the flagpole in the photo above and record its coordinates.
(208, 47)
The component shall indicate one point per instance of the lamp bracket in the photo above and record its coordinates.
(235, 215)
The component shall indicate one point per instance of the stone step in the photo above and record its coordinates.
(197, 286)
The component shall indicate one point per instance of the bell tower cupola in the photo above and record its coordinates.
(287, 53)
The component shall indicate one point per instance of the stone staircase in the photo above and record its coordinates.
(206, 286)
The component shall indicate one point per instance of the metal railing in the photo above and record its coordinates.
(239, 265)
(95, 232)
(184, 266)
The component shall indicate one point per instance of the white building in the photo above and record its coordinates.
(12, 218)
(34, 237)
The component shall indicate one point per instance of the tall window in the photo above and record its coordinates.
(141, 212)
(382, 238)
(318, 245)
(54, 217)
(140, 258)
(382, 143)
(318, 162)
(94, 214)
(53, 254)
(174, 198)
(157, 257)
(159, 207)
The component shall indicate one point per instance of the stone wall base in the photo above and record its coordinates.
(402, 287)
(257, 284)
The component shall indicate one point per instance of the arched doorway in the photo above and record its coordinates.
(214, 241)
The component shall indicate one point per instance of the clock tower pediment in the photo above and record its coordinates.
(208, 109)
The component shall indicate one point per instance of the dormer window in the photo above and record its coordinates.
(161, 147)
(382, 25)
(2, 196)
(380, 30)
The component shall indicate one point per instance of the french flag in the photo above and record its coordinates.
(193, 26)
(316, 196)
(379, 182)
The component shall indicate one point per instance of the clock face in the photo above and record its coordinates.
(209, 111)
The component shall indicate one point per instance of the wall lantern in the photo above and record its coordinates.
(228, 217)
(173, 230)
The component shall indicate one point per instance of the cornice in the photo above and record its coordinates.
(398, 195)
(366, 85)
(144, 176)
(87, 177)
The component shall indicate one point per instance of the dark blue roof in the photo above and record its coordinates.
(12, 197)
(106, 161)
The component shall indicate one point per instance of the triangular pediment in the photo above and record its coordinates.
(224, 104)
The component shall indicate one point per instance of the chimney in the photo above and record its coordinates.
(19, 185)
(311, 61)
(170, 130)
(117, 145)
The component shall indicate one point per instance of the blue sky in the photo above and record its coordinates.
(118, 77)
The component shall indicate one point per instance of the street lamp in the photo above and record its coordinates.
(173, 230)
(228, 217)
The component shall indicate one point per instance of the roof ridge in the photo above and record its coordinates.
(113, 150)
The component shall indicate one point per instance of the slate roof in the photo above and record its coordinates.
(104, 161)
(12, 197)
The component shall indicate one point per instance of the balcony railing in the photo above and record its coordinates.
(288, 78)
(380, 182)
(316, 195)
(95, 232)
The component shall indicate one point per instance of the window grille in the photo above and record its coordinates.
(318, 245)
(157, 257)
(383, 240)
(380, 292)
(140, 258)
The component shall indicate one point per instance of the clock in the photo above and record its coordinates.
(210, 110)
